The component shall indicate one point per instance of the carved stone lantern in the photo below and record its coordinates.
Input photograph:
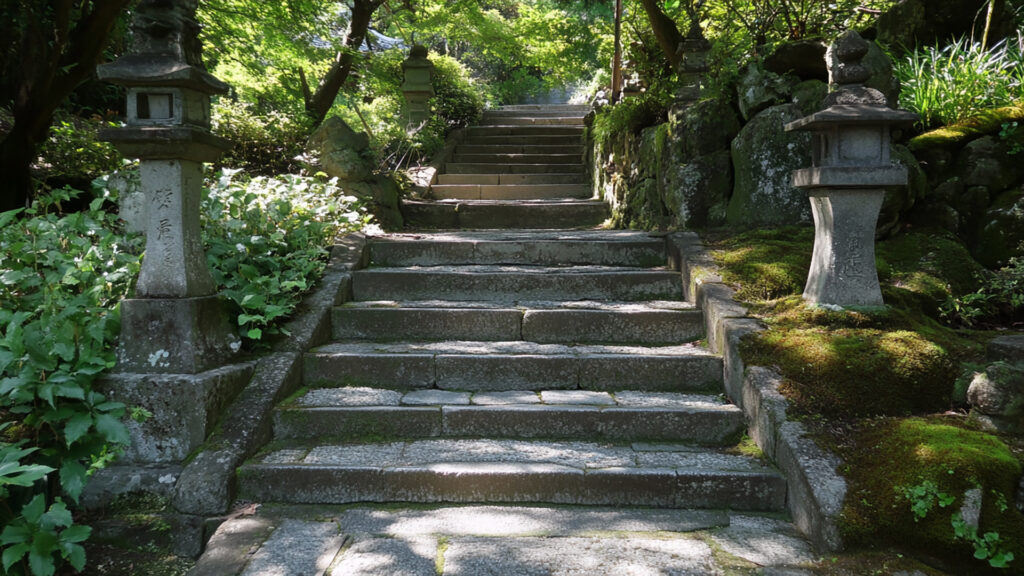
(417, 87)
(850, 169)
(176, 342)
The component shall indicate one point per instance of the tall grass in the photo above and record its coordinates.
(948, 84)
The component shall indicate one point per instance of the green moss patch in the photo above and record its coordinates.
(898, 466)
(766, 264)
(987, 122)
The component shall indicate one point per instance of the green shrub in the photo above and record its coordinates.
(267, 241)
(73, 153)
(632, 114)
(949, 84)
(62, 278)
(457, 99)
(262, 143)
(999, 301)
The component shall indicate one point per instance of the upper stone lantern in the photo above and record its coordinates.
(418, 87)
(850, 168)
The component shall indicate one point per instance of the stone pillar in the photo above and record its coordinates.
(694, 65)
(176, 338)
(850, 168)
(417, 86)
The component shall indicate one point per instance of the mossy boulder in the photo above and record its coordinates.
(758, 89)
(764, 157)
(693, 189)
(704, 128)
(911, 23)
(996, 396)
(909, 477)
(899, 200)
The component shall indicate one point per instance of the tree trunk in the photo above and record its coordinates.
(665, 31)
(320, 103)
(57, 56)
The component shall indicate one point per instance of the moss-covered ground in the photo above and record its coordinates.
(883, 388)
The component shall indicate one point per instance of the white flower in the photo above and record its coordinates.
(240, 248)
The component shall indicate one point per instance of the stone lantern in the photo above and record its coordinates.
(850, 169)
(417, 86)
(176, 340)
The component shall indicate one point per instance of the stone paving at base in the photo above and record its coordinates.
(505, 540)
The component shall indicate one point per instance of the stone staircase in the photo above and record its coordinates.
(522, 166)
(546, 365)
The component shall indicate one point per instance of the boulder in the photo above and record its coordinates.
(985, 162)
(805, 59)
(809, 96)
(764, 157)
(996, 396)
(706, 127)
(758, 89)
(343, 153)
(913, 23)
(899, 200)
(694, 189)
(874, 69)
(1002, 235)
(1007, 348)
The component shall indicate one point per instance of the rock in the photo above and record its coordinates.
(758, 89)
(970, 510)
(899, 200)
(809, 96)
(998, 393)
(764, 157)
(1020, 495)
(706, 127)
(1002, 236)
(913, 23)
(1006, 348)
(383, 194)
(343, 152)
(802, 58)
(692, 189)
(985, 162)
(880, 76)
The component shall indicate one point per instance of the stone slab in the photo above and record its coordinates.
(506, 372)
(576, 397)
(505, 398)
(577, 556)
(426, 324)
(640, 327)
(361, 369)
(653, 374)
(318, 423)
(392, 556)
(352, 396)
(435, 398)
(764, 541)
(297, 548)
(232, 546)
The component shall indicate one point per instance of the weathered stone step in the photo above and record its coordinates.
(513, 471)
(474, 131)
(484, 139)
(494, 179)
(621, 417)
(537, 247)
(511, 168)
(505, 214)
(508, 191)
(531, 120)
(516, 158)
(503, 366)
(650, 323)
(543, 149)
(581, 109)
(508, 283)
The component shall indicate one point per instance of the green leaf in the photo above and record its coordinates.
(34, 510)
(112, 429)
(15, 534)
(72, 478)
(9, 216)
(13, 554)
(76, 533)
(40, 558)
(254, 334)
(76, 427)
(57, 516)
(76, 557)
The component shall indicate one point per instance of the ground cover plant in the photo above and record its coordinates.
(63, 277)
(881, 388)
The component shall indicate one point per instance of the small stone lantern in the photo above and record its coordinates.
(417, 86)
(850, 169)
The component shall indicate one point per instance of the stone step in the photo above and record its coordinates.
(494, 179)
(581, 109)
(498, 130)
(508, 191)
(543, 149)
(517, 158)
(426, 471)
(521, 140)
(505, 214)
(512, 168)
(510, 283)
(504, 366)
(343, 413)
(521, 120)
(537, 247)
(649, 323)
